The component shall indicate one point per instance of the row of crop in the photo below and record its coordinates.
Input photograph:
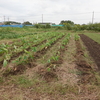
(32, 38)
(27, 45)
(57, 58)
(29, 54)
(9, 50)
(25, 42)
(57, 55)
(34, 51)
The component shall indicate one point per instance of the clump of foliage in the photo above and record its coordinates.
(66, 22)
(27, 23)
(37, 26)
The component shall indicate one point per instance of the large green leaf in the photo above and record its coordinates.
(5, 63)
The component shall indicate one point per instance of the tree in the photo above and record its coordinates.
(7, 23)
(66, 22)
(27, 23)
(47, 26)
(37, 26)
(11, 23)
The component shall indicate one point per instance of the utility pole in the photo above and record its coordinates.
(92, 17)
(42, 18)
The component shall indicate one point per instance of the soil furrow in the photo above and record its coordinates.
(51, 75)
(85, 70)
(93, 48)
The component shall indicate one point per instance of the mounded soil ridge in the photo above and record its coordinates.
(93, 48)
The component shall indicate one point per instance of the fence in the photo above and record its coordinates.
(11, 26)
(22, 25)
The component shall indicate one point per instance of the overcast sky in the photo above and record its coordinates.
(78, 11)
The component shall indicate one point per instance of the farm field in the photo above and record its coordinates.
(48, 64)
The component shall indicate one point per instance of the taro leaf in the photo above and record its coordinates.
(49, 61)
(34, 49)
(25, 57)
(4, 63)
(1, 51)
(62, 47)
(48, 69)
(26, 51)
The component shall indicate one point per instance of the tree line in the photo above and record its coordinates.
(66, 24)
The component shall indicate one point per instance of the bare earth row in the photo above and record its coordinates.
(93, 48)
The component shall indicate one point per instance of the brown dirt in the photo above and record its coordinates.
(51, 75)
(15, 70)
(93, 48)
(7, 42)
(85, 69)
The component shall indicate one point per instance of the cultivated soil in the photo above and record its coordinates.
(71, 77)
(93, 48)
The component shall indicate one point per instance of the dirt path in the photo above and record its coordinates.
(93, 48)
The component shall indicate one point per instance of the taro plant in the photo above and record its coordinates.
(49, 61)
(66, 40)
(77, 37)
(3, 48)
(4, 53)
(5, 63)
(24, 58)
(48, 69)
(55, 58)
(34, 49)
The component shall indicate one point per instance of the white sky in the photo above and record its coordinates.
(78, 11)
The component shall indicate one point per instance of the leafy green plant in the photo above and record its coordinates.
(34, 49)
(5, 63)
(55, 58)
(48, 69)
(3, 48)
(49, 61)
(4, 52)
(23, 81)
(77, 37)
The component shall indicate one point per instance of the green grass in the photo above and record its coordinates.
(14, 33)
(41, 86)
(94, 36)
